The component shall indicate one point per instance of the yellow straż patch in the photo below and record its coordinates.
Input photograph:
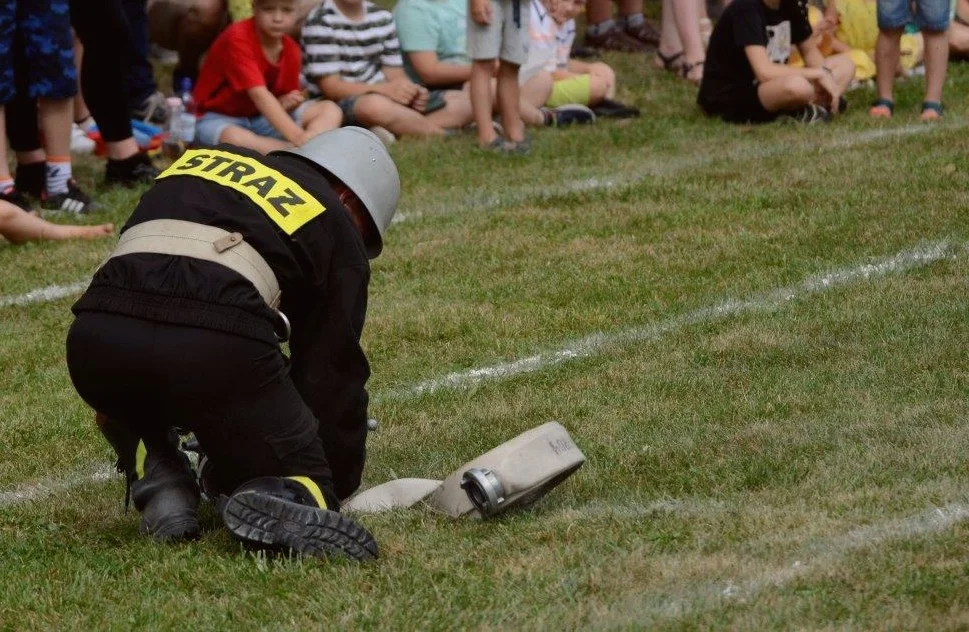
(286, 203)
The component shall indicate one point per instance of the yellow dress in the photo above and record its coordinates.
(858, 28)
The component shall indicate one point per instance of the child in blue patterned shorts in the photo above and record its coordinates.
(932, 17)
(37, 70)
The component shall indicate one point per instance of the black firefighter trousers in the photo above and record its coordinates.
(233, 392)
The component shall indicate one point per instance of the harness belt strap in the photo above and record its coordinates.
(515, 474)
(209, 243)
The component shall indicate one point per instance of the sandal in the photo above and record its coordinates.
(931, 111)
(669, 62)
(686, 71)
(882, 108)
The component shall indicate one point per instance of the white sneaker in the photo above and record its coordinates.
(385, 135)
(80, 143)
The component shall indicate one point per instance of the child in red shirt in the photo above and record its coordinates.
(248, 91)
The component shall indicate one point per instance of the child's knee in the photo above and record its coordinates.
(233, 135)
(7, 212)
(375, 109)
(327, 108)
(598, 88)
(605, 71)
(321, 112)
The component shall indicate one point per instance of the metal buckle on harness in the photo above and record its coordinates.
(484, 490)
(287, 329)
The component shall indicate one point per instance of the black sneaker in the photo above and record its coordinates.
(133, 171)
(15, 197)
(31, 178)
(267, 515)
(583, 52)
(614, 109)
(74, 200)
(572, 114)
(811, 114)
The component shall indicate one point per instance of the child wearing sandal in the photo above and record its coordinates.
(498, 30)
(747, 79)
(932, 17)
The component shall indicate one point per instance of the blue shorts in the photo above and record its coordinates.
(930, 15)
(36, 50)
(209, 128)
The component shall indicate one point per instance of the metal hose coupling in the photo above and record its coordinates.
(484, 490)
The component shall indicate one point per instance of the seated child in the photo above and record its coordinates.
(433, 38)
(352, 56)
(18, 226)
(574, 81)
(248, 93)
(746, 76)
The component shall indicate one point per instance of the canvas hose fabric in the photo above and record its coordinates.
(515, 474)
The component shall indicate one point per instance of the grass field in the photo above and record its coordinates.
(757, 336)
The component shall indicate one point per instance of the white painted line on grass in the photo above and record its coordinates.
(43, 488)
(45, 294)
(815, 555)
(670, 165)
(600, 342)
(485, 201)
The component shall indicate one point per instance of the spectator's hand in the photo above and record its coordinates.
(291, 100)
(420, 101)
(481, 12)
(402, 90)
(302, 138)
(825, 25)
(830, 87)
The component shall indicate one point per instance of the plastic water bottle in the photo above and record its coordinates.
(187, 113)
(173, 145)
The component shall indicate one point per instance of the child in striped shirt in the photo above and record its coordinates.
(351, 55)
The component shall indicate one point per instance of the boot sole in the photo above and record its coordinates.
(267, 522)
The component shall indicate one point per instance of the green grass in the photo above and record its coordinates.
(775, 467)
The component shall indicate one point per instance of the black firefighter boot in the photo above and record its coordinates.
(282, 515)
(160, 481)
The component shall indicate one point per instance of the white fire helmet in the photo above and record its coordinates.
(358, 159)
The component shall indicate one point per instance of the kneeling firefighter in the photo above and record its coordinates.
(227, 254)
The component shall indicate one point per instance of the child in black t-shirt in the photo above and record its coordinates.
(746, 78)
